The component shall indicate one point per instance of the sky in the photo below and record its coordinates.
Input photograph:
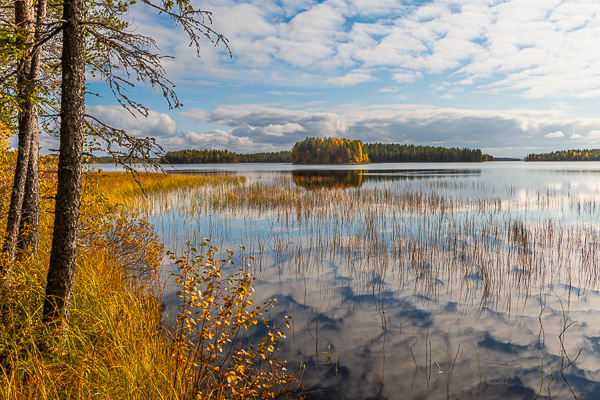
(509, 77)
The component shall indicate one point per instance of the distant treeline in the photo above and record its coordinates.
(111, 160)
(224, 156)
(333, 151)
(329, 151)
(389, 153)
(566, 155)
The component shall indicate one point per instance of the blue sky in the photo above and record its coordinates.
(510, 77)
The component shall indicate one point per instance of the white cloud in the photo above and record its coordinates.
(391, 89)
(478, 51)
(595, 134)
(351, 79)
(265, 127)
(535, 49)
(557, 134)
(506, 130)
(591, 137)
(466, 82)
(196, 114)
(406, 77)
(155, 124)
(281, 130)
(265, 124)
(214, 139)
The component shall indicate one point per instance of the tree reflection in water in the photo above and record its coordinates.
(328, 179)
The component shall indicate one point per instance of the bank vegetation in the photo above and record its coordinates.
(121, 342)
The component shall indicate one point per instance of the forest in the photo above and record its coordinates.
(329, 151)
(333, 151)
(394, 152)
(224, 156)
(566, 155)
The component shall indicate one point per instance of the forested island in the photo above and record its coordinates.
(329, 151)
(332, 151)
(566, 155)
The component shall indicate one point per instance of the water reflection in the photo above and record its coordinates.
(327, 179)
(469, 283)
(383, 174)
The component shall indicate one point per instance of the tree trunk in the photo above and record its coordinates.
(29, 229)
(23, 19)
(30, 214)
(64, 242)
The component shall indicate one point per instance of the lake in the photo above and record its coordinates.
(414, 281)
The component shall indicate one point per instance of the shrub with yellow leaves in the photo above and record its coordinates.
(216, 313)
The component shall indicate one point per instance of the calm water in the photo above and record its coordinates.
(417, 281)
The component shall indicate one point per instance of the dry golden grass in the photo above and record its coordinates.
(116, 346)
(122, 188)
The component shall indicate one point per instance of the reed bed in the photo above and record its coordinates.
(457, 240)
(426, 233)
(122, 187)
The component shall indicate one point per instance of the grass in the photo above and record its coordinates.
(116, 346)
(121, 188)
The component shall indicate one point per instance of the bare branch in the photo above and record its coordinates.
(124, 148)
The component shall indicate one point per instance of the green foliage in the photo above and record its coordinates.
(566, 155)
(329, 151)
(269, 157)
(17, 45)
(225, 157)
(7, 161)
(393, 152)
(14, 48)
(201, 157)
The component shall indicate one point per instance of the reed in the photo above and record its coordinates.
(422, 232)
(490, 248)
(122, 188)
